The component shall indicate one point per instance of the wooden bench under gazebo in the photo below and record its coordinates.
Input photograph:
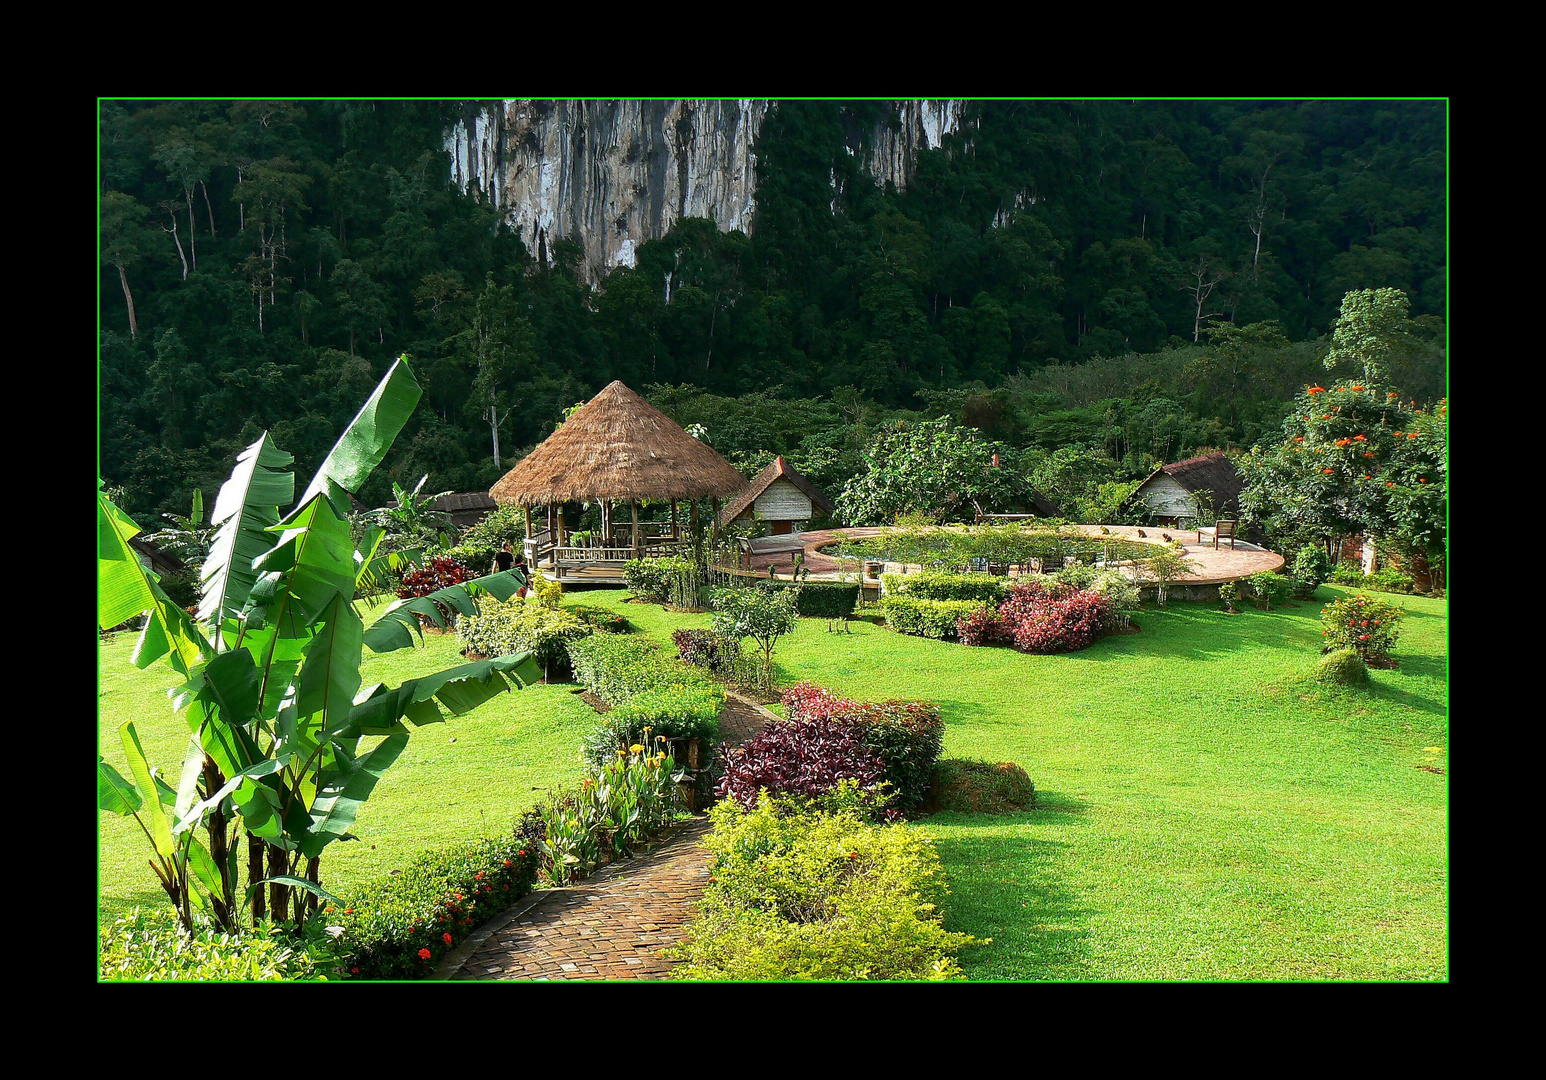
(617, 450)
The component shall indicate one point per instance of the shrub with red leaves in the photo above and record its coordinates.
(1066, 625)
(1040, 618)
(439, 574)
(805, 758)
(908, 735)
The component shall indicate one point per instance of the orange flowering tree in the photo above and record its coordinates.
(1353, 458)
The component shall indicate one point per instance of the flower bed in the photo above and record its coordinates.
(399, 926)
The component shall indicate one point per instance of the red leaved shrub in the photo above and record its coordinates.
(1040, 618)
(805, 758)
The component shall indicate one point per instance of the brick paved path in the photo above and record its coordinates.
(614, 924)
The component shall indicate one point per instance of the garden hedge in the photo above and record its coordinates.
(939, 585)
(821, 599)
(926, 618)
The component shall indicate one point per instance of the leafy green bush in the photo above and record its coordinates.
(669, 579)
(603, 619)
(505, 628)
(1268, 588)
(618, 668)
(478, 558)
(400, 925)
(1366, 624)
(1386, 580)
(926, 618)
(1229, 595)
(938, 585)
(181, 587)
(153, 947)
(1347, 572)
(978, 787)
(1343, 667)
(669, 712)
(759, 613)
(1312, 566)
(626, 801)
(1120, 593)
(798, 893)
(821, 599)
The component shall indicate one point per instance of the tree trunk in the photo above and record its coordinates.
(223, 907)
(210, 210)
(179, 243)
(193, 249)
(128, 297)
(255, 875)
(278, 895)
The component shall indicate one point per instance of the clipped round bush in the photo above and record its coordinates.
(1343, 667)
(980, 787)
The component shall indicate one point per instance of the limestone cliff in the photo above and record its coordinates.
(613, 174)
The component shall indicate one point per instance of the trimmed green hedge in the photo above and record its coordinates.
(821, 599)
(926, 618)
(617, 668)
(401, 925)
(670, 712)
(939, 585)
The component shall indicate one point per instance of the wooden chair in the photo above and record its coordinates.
(1221, 530)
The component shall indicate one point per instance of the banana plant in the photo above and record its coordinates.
(269, 675)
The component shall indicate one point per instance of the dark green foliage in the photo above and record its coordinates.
(1031, 283)
(1312, 566)
(390, 924)
(1343, 667)
(821, 599)
(979, 787)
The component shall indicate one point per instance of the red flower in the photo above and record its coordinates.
(446, 938)
(522, 853)
(348, 911)
(1317, 390)
(1368, 478)
(507, 861)
(424, 954)
(1326, 470)
(1360, 438)
(1299, 438)
(354, 971)
(1422, 479)
(478, 876)
(1411, 434)
(1363, 637)
(1368, 453)
(1390, 483)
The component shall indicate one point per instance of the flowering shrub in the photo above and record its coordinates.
(803, 758)
(399, 926)
(802, 893)
(1366, 624)
(625, 802)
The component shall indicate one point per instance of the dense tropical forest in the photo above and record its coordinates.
(1095, 286)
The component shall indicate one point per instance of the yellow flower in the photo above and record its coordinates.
(636, 749)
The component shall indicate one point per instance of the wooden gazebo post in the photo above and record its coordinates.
(528, 521)
(635, 504)
(676, 532)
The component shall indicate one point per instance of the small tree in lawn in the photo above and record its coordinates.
(1166, 566)
(761, 613)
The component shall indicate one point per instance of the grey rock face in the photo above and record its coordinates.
(614, 174)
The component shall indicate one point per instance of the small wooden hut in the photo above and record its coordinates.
(616, 449)
(781, 496)
(1178, 493)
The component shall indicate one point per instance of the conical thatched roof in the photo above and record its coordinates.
(618, 446)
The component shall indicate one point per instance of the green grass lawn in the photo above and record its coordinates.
(1206, 809)
(471, 776)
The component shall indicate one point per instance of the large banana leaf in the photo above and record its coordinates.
(158, 825)
(341, 792)
(124, 589)
(367, 438)
(115, 793)
(247, 506)
(380, 710)
(397, 624)
(314, 557)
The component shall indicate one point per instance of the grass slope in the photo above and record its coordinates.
(1206, 810)
(438, 792)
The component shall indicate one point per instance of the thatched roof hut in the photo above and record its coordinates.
(618, 447)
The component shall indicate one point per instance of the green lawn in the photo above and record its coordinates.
(438, 792)
(1206, 809)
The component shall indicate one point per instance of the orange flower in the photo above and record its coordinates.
(1360, 438)
(424, 954)
(1317, 390)
(1411, 434)
(1390, 483)
(446, 938)
(1299, 438)
(1326, 470)
(1359, 389)
(1368, 453)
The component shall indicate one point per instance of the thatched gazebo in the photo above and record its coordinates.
(616, 448)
